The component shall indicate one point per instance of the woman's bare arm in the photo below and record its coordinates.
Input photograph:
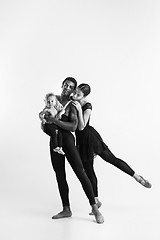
(83, 117)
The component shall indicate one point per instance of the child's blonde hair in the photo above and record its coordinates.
(58, 106)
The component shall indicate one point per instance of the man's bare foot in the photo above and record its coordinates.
(65, 213)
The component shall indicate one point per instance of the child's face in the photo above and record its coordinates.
(51, 101)
(77, 95)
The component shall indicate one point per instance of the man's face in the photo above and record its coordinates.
(68, 88)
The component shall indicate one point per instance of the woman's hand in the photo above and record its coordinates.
(77, 105)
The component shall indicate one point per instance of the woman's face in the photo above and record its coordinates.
(78, 95)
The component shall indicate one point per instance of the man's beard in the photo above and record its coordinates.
(66, 93)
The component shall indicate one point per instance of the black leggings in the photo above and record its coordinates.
(107, 156)
(73, 157)
(54, 132)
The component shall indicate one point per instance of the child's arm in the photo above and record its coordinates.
(60, 113)
(59, 106)
(41, 115)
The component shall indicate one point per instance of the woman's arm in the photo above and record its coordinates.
(83, 117)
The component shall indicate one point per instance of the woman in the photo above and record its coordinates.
(90, 143)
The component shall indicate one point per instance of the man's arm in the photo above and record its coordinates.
(71, 125)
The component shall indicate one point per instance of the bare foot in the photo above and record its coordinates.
(99, 204)
(142, 181)
(56, 149)
(60, 151)
(63, 214)
(98, 216)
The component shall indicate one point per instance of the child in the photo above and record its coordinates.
(56, 108)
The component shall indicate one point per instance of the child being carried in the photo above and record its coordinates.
(52, 105)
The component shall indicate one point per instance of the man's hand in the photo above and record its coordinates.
(51, 119)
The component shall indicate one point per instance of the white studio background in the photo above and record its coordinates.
(113, 46)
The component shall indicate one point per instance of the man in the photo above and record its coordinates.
(67, 124)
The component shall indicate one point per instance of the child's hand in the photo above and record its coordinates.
(59, 115)
(46, 110)
(44, 121)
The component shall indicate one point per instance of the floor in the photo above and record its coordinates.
(29, 198)
(24, 219)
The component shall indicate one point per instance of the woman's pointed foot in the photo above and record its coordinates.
(143, 182)
(99, 218)
(99, 204)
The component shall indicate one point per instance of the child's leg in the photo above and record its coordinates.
(59, 138)
(51, 130)
(60, 142)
